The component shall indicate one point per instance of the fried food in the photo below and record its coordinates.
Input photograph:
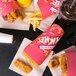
(59, 61)
(54, 62)
(63, 64)
(22, 66)
(12, 16)
(34, 19)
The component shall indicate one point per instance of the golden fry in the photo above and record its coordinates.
(9, 18)
(13, 14)
(34, 19)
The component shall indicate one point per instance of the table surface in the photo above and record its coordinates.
(8, 51)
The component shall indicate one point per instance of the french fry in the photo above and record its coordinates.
(13, 14)
(34, 19)
(28, 13)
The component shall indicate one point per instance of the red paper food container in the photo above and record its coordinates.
(7, 7)
(48, 7)
(71, 62)
(42, 46)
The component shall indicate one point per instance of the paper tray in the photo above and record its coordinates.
(35, 72)
(23, 25)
